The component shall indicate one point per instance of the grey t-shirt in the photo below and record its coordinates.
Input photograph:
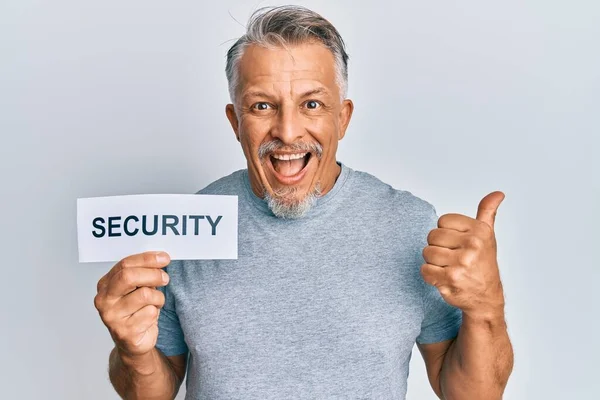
(328, 306)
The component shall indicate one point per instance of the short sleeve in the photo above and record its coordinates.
(441, 321)
(171, 341)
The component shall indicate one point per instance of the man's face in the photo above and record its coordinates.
(288, 119)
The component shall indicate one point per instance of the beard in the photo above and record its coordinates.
(283, 202)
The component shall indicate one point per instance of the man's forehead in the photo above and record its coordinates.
(297, 64)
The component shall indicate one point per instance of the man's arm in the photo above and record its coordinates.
(479, 362)
(151, 376)
(474, 365)
(461, 262)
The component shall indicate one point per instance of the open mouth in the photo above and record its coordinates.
(289, 167)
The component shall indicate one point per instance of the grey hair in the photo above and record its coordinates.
(287, 25)
(276, 144)
(295, 209)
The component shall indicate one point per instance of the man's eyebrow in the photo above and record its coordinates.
(319, 90)
(255, 93)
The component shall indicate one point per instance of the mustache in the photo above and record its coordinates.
(277, 144)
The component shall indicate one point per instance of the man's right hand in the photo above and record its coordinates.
(129, 303)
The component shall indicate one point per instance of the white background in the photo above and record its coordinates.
(453, 100)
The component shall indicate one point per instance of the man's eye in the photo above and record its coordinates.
(261, 106)
(312, 104)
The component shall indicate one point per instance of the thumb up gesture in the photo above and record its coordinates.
(461, 262)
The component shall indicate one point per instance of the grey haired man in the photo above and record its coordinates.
(338, 274)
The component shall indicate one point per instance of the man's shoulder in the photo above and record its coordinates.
(373, 190)
(231, 184)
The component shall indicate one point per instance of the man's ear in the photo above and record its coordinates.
(345, 116)
(233, 120)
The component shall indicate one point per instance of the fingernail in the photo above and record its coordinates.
(165, 277)
(162, 258)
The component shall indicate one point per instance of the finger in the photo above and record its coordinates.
(433, 274)
(148, 259)
(129, 279)
(488, 207)
(102, 284)
(143, 319)
(138, 299)
(443, 237)
(138, 339)
(457, 222)
(439, 256)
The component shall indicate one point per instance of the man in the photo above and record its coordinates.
(338, 274)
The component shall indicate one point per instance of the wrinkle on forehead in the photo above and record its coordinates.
(294, 70)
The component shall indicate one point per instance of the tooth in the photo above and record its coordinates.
(288, 157)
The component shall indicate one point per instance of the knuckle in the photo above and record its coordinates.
(455, 275)
(121, 333)
(108, 317)
(426, 274)
(474, 242)
(426, 251)
(149, 259)
(431, 236)
(153, 312)
(443, 220)
(148, 313)
(448, 217)
(126, 263)
(98, 302)
(160, 298)
(115, 268)
(128, 276)
(145, 294)
(445, 291)
(487, 230)
(100, 284)
(465, 258)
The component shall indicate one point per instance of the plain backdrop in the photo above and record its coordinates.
(452, 100)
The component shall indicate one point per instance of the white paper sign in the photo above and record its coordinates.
(188, 226)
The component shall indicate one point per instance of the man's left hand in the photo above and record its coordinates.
(460, 260)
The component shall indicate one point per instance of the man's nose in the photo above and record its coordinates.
(288, 127)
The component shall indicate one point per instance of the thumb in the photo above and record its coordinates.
(488, 206)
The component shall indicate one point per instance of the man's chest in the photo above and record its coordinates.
(350, 315)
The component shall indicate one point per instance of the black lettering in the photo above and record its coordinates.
(196, 218)
(214, 224)
(184, 223)
(145, 228)
(135, 231)
(171, 225)
(97, 224)
(112, 225)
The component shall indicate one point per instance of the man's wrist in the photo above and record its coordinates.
(141, 364)
(492, 321)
